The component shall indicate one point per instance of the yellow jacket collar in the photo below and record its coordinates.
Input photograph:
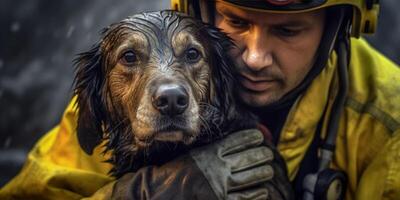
(303, 118)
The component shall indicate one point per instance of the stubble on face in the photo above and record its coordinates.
(276, 83)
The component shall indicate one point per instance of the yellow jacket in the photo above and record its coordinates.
(368, 142)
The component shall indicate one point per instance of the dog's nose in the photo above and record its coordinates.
(170, 99)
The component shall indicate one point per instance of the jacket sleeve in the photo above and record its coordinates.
(57, 168)
(381, 179)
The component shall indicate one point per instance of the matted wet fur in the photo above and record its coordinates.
(118, 80)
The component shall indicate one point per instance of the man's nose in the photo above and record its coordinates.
(257, 54)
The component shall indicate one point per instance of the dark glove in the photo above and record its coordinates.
(236, 167)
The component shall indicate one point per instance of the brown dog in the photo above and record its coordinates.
(155, 85)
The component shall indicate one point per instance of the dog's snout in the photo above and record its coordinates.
(170, 99)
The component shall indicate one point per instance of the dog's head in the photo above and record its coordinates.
(158, 76)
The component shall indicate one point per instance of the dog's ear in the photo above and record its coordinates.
(88, 85)
(223, 70)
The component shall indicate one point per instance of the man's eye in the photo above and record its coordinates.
(128, 58)
(237, 22)
(287, 32)
(192, 55)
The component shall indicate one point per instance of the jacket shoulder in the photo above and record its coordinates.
(374, 84)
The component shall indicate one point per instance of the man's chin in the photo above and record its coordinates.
(257, 99)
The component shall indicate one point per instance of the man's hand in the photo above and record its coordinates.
(239, 166)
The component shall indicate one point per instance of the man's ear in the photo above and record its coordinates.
(88, 85)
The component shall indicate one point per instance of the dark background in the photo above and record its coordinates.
(38, 41)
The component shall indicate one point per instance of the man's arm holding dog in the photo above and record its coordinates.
(237, 167)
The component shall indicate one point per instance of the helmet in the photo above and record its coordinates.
(364, 19)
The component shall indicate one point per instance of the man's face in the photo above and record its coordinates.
(275, 51)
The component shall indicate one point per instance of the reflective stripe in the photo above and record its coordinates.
(369, 108)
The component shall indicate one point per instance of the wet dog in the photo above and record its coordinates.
(156, 85)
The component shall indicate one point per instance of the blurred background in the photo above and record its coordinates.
(38, 42)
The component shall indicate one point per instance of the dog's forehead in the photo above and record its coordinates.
(159, 29)
(160, 32)
(162, 21)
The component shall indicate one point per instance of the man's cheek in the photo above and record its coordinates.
(237, 57)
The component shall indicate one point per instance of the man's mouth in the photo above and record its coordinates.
(255, 84)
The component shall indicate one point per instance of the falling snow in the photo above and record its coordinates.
(7, 142)
(70, 31)
(15, 26)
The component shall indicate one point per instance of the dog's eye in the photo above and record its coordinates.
(128, 58)
(192, 55)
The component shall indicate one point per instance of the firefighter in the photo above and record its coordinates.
(329, 99)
